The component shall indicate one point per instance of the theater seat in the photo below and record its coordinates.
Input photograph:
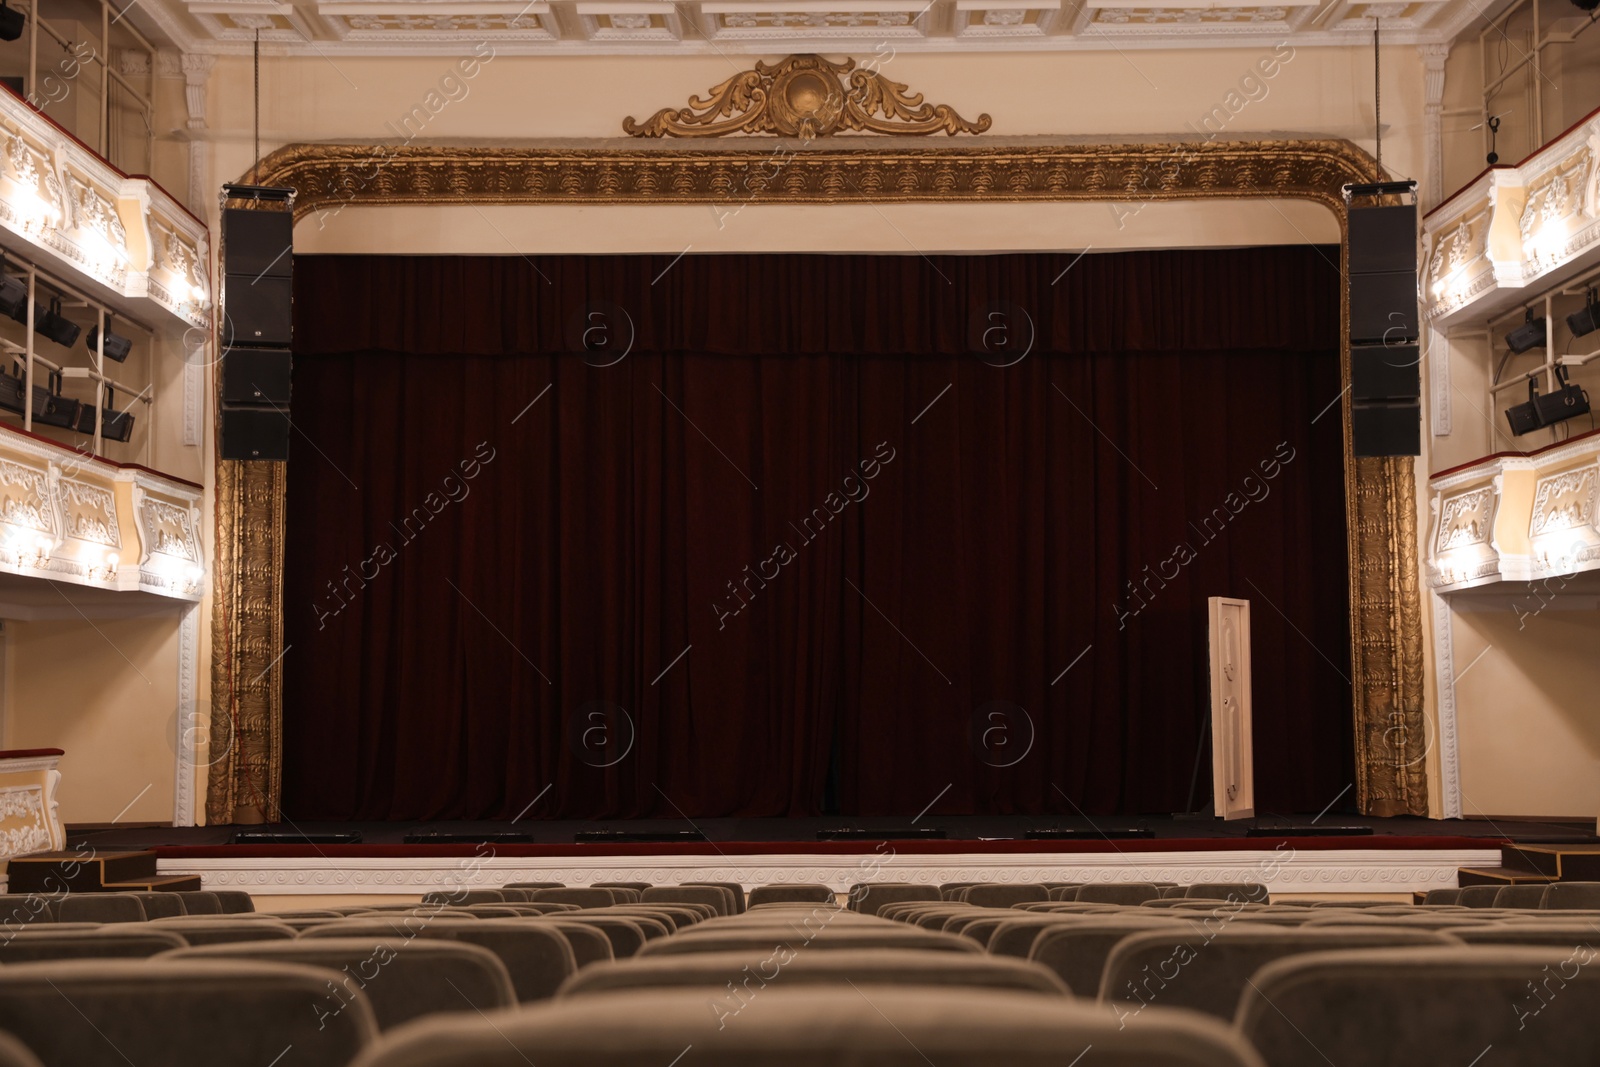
(868, 897)
(157, 1013)
(1208, 970)
(234, 902)
(458, 898)
(100, 908)
(1397, 1007)
(201, 930)
(1521, 896)
(1229, 891)
(798, 894)
(882, 1026)
(55, 942)
(1479, 896)
(589, 943)
(1128, 893)
(1015, 936)
(1573, 935)
(1565, 896)
(536, 954)
(201, 902)
(579, 896)
(1077, 952)
(735, 888)
(1442, 896)
(1004, 896)
(894, 936)
(402, 980)
(20, 909)
(718, 898)
(161, 905)
(751, 972)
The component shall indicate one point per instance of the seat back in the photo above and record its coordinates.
(1567, 896)
(588, 942)
(1118, 893)
(734, 888)
(716, 896)
(234, 902)
(199, 930)
(201, 902)
(1421, 1005)
(1077, 952)
(753, 971)
(100, 908)
(535, 952)
(868, 897)
(402, 980)
(1253, 892)
(43, 942)
(1442, 896)
(888, 1027)
(1005, 895)
(161, 905)
(1521, 896)
(14, 1053)
(580, 896)
(842, 938)
(458, 898)
(798, 894)
(182, 1012)
(1207, 970)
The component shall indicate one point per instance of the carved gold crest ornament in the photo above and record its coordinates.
(805, 96)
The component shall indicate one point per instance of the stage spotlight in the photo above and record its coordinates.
(117, 346)
(1567, 402)
(11, 23)
(114, 425)
(1524, 417)
(50, 408)
(1587, 320)
(56, 326)
(1529, 335)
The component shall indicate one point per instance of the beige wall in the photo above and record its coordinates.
(1528, 714)
(106, 692)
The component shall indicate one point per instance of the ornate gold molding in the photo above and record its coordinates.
(805, 96)
(1386, 632)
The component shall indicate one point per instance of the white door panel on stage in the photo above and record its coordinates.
(1232, 752)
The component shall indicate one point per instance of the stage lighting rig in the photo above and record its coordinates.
(117, 346)
(11, 23)
(1546, 409)
(1588, 319)
(1531, 334)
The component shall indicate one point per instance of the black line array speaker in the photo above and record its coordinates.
(257, 321)
(1385, 379)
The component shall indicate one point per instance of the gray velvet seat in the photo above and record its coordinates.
(754, 971)
(955, 924)
(581, 896)
(100, 908)
(1208, 971)
(402, 980)
(192, 1013)
(868, 897)
(1077, 952)
(1005, 895)
(234, 902)
(815, 1027)
(830, 940)
(458, 898)
(535, 885)
(639, 886)
(953, 890)
(1395, 1007)
(1119, 893)
(1065, 890)
(1576, 936)
(1230, 891)
(589, 943)
(1015, 936)
(740, 903)
(200, 930)
(161, 905)
(1564, 896)
(652, 921)
(42, 942)
(623, 894)
(716, 896)
(1479, 896)
(1521, 896)
(625, 936)
(201, 902)
(20, 909)
(799, 894)
(536, 954)
(1441, 896)
(1174, 891)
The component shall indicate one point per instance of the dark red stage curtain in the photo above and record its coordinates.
(876, 533)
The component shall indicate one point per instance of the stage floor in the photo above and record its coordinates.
(1291, 856)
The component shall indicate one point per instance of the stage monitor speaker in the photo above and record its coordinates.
(1393, 429)
(258, 243)
(1383, 240)
(251, 433)
(1384, 372)
(1383, 307)
(256, 376)
(259, 310)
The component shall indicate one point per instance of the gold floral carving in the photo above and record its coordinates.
(1386, 630)
(805, 96)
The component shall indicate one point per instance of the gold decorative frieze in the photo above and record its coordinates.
(1386, 642)
(805, 96)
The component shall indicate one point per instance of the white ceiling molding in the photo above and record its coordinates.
(766, 27)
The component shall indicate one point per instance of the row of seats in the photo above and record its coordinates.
(902, 974)
(1556, 896)
(21, 908)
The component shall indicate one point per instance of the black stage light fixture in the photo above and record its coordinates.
(1529, 335)
(50, 408)
(114, 425)
(1567, 402)
(893, 833)
(56, 326)
(1524, 417)
(117, 346)
(14, 297)
(296, 837)
(11, 23)
(1587, 320)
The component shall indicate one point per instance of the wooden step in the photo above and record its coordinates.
(1500, 876)
(85, 871)
(166, 883)
(1562, 863)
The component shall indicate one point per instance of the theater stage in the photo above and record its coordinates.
(1289, 855)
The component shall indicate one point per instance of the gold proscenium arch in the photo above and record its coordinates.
(1386, 628)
